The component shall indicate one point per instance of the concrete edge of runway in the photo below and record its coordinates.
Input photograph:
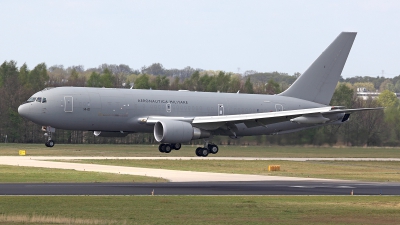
(195, 158)
(170, 175)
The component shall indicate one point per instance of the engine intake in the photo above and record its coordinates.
(171, 131)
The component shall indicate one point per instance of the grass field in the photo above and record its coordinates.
(200, 210)
(365, 171)
(17, 174)
(348, 170)
(225, 151)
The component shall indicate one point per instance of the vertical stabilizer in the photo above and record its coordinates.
(319, 81)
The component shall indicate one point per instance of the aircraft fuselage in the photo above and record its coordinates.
(109, 109)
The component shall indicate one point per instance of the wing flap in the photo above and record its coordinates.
(351, 110)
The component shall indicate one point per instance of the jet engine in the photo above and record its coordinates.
(171, 131)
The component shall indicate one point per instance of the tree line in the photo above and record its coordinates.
(374, 128)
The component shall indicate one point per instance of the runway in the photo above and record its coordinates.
(205, 188)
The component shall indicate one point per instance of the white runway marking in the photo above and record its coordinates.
(329, 186)
(301, 186)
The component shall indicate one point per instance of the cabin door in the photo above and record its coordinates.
(220, 109)
(278, 107)
(168, 107)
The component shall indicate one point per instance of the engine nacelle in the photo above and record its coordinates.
(171, 131)
(109, 134)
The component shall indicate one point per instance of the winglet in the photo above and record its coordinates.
(318, 82)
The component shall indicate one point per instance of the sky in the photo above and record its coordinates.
(229, 35)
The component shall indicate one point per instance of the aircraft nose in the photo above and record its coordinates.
(23, 110)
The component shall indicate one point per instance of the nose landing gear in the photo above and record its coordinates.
(49, 143)
(49, 130)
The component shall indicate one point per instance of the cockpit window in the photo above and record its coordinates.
(37, 99)
(31, 99)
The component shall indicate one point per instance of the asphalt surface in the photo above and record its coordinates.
(188, 182)
(205, 188)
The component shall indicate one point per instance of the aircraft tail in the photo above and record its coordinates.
(318, 82)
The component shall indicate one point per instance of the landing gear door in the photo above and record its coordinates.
(68, 106)
(220, 109)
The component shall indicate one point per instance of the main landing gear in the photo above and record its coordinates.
(201, 151)
(49, 130)
(167, 148)
(207, 149)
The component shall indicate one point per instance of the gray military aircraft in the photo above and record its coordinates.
(177, 117)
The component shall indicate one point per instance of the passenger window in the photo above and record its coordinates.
(39, 99)
(44, 100)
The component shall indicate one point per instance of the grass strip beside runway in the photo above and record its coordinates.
(19, 174)
(200, 210)
(348, 170)
(188, 150)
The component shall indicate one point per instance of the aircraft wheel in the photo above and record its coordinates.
(176, 146)
(198, 151)
(167, 148)
(50, 143)
(204, 152)
(213, 149)
(161, 148)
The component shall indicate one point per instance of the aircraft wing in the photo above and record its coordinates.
(311, 116)
(352, 110)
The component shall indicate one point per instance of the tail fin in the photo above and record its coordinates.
(319, 81)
